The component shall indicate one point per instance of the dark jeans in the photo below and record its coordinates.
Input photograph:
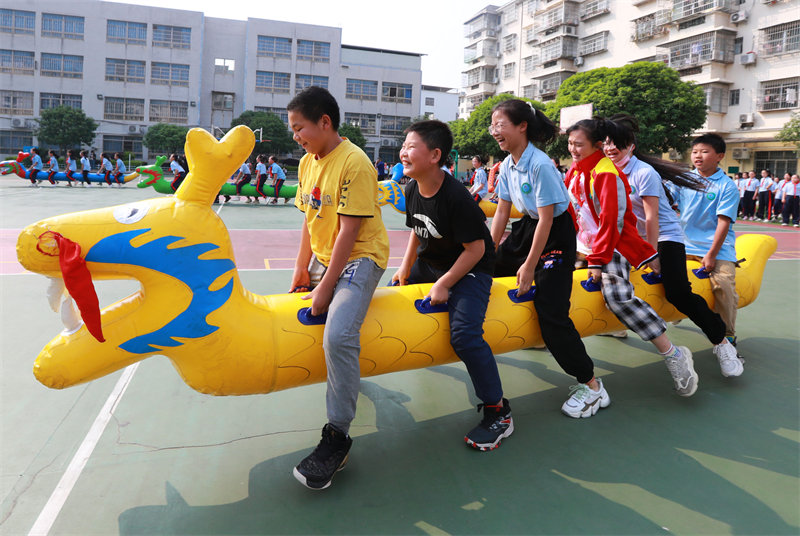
(791, 207)
(553, 280)
(244, 180)
(678, 291)
(467, 307)
(748, 204)
(260, 185)
(763, 204)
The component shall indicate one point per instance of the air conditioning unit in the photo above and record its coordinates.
(570, 30)
(746, 119)
(16, 122)
(132, 128)
(741, 154)
(675, 155)
(747, 59)
(739, 16)
(578, 61)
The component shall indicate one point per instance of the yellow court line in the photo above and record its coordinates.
(266, 264)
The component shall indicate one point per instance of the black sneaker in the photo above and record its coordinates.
(317, 469)
(495, 425)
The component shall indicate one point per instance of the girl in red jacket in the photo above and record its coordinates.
(607, 227)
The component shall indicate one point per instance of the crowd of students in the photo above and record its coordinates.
(112, 174)
(768, 198)
(265, 168)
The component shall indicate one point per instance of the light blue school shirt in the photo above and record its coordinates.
(275, 169)
(531, 183)
(107, 164)
(261, 169)
(176, 167)
(85, 165)
(700, 211)
(73, 166)
(36, 162)
(245, 169)
(53, 163)
(120, 166)
(645, 181)
(483, 180)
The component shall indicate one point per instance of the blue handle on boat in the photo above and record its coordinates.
(307, 319)
(590, 286)
(652, 278)
(424, 306)
(528, 296)
(700, 273)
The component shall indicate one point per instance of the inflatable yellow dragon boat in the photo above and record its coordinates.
(225, 340)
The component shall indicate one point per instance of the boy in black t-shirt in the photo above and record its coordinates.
(450, 246)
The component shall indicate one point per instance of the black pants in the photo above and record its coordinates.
(245, 180)
(748, 204)
(85, 174)
(262, 179)
(763, 205)
(791, 207)
(678, 291)
(553, 280)
(777, 207)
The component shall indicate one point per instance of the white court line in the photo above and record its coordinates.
(59, 496)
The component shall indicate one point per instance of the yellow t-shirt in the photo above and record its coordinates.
(342, 182)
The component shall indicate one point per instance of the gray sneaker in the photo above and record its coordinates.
(681, 368)
(729, 362)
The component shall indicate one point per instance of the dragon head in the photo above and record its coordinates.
(150, 174)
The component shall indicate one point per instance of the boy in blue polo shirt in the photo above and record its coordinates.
(707, 218)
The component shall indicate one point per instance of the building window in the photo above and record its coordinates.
(738, 45)
(366, 122)
(16, 102)
(778, 94)
(171, 36)
(510, 14)
(166, 111)
(593, 8)
(272, 82)
(12, 141)
(278, 47)
(560, 47)
(169, 74)
(54, 100)
(17, 22)
(62, 26)
(129, 33)
(392, 125)
(429, 101)
(716, 98)
(548, 85)
(733, 99)
(651, 25)
(593, 44)
(508, 70)
(682, 9)
(313, 51)
(778, 162)
(302, 81)
(510, 43)
(396, 92)
(123, 144)
(118, 70)
(224, 66)
(781, 39)
(62, 65)
(361, 89)
(697, 50)
(222, 101)
(529, 63)
(529, 91)
(16, 61)
(123, 109)
(280, 112)
(699, 21)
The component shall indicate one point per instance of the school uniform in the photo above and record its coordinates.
(479, 177)
(72, 168)
(791, 202)
(120, 171)
(85, 167)
(246, 178)
(178, 175)
(261, 178)
(764, 198)
(53, 163)
(278, 177)
(36, 167)
(749, 196)
(107, 168)
(777, 194)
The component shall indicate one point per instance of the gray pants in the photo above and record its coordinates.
(342, 337)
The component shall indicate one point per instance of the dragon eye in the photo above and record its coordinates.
(128, 214)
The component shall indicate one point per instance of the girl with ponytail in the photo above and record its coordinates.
(541, 246)
(607, 229)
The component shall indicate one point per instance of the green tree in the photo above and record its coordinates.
(667, 108)
(353, 133)
(791, 130)
(65, 127)
(471, 136)
(275, 133)
(165, 137)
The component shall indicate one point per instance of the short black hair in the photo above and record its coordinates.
(715, 141)
(314, 102)
(435, 135)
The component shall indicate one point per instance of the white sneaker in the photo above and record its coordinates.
(729, 362)
(621, 334)
(584, 401)
(681, 367)
(248, 200)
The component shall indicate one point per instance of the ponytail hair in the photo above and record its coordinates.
(540, 128)
(598, 129)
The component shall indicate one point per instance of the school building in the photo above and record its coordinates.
(129, 67)
(744, 53)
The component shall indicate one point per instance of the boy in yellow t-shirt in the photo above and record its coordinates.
(343, 253)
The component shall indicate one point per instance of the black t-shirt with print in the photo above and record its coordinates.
(444, 222)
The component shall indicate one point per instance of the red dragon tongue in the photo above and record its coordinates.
(79, 284)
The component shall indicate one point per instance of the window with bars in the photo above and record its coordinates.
(124, 109)
(54, 100)
(560, 47)
(717, 96)
(319, 51)
(280, 112)
(169, 74)
(12, 140)
(780, 39)
(529, 63)
(682, 9)
(123, 144)
(16, 102)
(169, 111)
(593, 8)
(529, 91)
(508, 70)
(509, 15)
(222, 101)
(129, 33)
(171, 36)
(366, 122)
(17, 22)
(510, 43)
(593, 44)
(651, 25)
(62, 65)
(703, 48)
(393, 125)
(276, 47)
(271, 82)
(119, 70)
(778, 94)
(302, 81)
(16, 61)
(396, 92)
(62, 26)
(361, 89)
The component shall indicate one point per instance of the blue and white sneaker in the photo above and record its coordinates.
(496, 425)
(585, 401)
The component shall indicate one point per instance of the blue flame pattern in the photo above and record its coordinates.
(182, 263)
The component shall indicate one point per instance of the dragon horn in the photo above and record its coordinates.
(211, 162)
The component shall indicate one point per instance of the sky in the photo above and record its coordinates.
(431, 27)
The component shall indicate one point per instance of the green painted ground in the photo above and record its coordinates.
(173, 461)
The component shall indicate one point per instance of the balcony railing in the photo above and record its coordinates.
(593, 8)
(686, 9)
(698, 50)
(651, 25)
